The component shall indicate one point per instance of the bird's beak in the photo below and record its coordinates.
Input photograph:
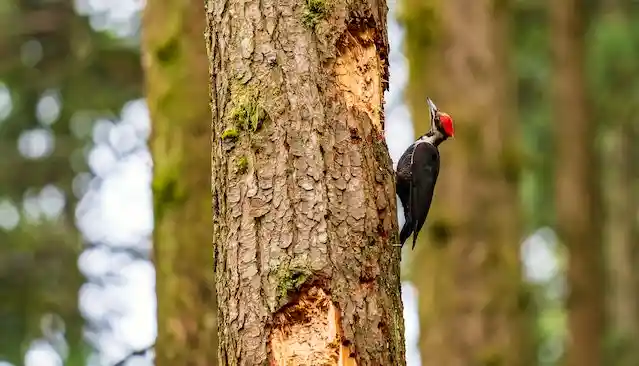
(431, 105)
(433, 113)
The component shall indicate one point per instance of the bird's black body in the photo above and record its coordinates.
(417, 172)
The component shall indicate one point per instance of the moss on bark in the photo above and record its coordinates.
(306, 270)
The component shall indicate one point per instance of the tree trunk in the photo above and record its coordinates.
(177, 70)
(622, 248)
(577, 195)
(303, 187)
(622, 200)
(473, 306)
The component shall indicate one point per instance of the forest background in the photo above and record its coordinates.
(77, 286)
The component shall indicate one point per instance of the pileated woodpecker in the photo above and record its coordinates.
(417, 172)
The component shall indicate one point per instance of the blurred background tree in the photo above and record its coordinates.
(608, 46)
(76, 281)
(177, 75)
(577, 188)
(473, 307)
(613, 76)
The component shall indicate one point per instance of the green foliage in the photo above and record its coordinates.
(314, 11)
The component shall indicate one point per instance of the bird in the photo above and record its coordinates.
(417, 172)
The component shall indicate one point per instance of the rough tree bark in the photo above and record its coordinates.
(176, 68)
(577, 191)
(303, 187)
(473, 306)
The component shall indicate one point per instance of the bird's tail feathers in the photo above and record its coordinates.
(414, 204)
(405, 233)
(415, 233)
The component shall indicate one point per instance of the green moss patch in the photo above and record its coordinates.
(314, 11)
(291, 279)
(248, 114)
(242, 165)
(230, 134)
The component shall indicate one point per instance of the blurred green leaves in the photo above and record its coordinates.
(45, 48)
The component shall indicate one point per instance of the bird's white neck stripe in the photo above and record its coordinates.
(429, 139)
(421, 140)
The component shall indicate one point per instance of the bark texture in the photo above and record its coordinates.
(176, 67)
(577, 191)
(303, 188)
(473, 306)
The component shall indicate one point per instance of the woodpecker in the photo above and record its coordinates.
(417, 172)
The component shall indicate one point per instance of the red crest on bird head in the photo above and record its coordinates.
(444, 119)
(447, 124)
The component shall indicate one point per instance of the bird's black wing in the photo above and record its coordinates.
(424, 169)
(404, 176)
(402, 187)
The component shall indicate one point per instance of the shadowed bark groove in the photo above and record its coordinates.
(304, 212)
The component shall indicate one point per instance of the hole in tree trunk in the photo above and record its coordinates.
(308, 332)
